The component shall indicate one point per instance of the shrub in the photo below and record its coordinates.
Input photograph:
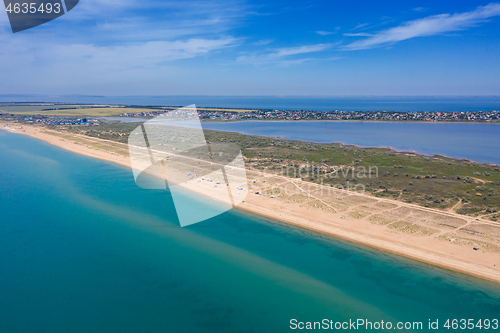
(468, 180)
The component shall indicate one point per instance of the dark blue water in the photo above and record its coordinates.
(487, 103)
(474, 141)
(83, 249)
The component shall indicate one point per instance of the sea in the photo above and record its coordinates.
(316, 103)
(83, 249)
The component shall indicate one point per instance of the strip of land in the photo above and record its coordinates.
(439, 236)
(238, 114)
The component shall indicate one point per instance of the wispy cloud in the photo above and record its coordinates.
(324, 33)
(360, 25)
(429, 26)
(287, 51)
(108, 58)
(358, 34)
(146, 54)
(137, 21)
(420, 9)
(263, 42)
(281, 55)
(110, 42)
(193, 28)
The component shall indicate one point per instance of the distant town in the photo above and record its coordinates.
(54, 120)
(476, 116)
(291, 115)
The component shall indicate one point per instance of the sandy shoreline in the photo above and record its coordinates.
(362, 219)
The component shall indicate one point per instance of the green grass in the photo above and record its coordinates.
(436, 182)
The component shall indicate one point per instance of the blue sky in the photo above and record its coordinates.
(327, 48)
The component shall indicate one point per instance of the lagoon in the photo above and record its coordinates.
(479, 142)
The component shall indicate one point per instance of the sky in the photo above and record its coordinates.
(244, 48)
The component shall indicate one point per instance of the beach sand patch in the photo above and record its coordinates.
(437, 220)
(467, 241)
(379, 219)
(481, 232)
(398, 213)
(295, 198)
(410, 228)
(379, 206)
(358, 214)
(320, 205)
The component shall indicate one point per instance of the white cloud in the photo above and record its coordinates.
(324, 33)
(429, 26)
(279, 55)
(102, 46)
(97, 69)
(359, 34)
(109, 58)
(300, 49)
(145, 54)
(90, 36)
(263, 42)
(360, 25)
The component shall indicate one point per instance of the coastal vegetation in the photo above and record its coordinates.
(440, 182)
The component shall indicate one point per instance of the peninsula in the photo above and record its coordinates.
(435, 209)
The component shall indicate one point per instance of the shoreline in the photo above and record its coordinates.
(441, 264)
(436, 253)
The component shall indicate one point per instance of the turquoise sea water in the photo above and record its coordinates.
(83, 249)
(475, 141)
